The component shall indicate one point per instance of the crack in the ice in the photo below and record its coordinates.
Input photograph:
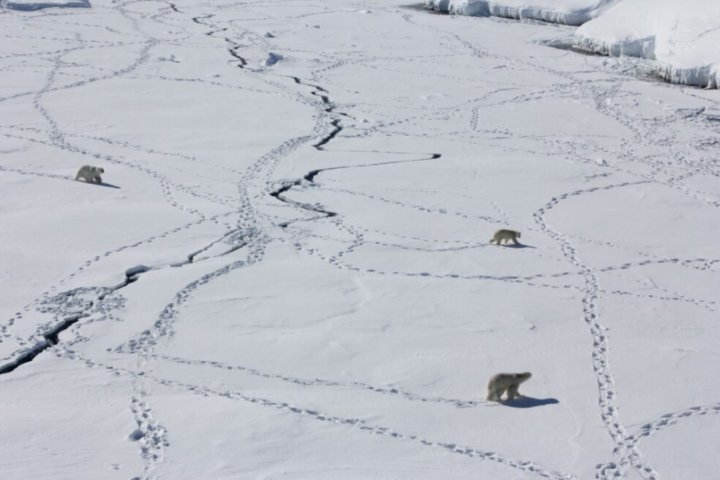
(310, 178)
(233, 51)
(50, 337)
(333, 133)
(174, 7)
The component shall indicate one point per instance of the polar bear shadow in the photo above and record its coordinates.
(519, 245)
(529, 402)
(101, 184)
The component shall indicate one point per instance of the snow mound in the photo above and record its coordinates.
(681, 36)
(568, 12)
(272, 59)
(26, 5)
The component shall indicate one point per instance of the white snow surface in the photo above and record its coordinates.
(567, 12)
(682, 37)
(28, 5)
(286, 272)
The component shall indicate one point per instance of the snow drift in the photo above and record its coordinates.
(272, 59)
(568, 12)
(25, 5)
(681, 37)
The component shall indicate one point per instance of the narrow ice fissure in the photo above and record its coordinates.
(51, 336)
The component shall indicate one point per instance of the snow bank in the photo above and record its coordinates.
(27, 5)
(681, 36)
(272, 59)
(568, 12)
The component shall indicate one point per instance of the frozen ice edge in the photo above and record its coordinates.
(488, 8)
(706, 76)
(32, 6)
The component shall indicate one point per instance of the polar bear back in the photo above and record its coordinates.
(89, 173)
(506, 379)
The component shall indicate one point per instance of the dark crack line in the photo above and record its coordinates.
(316, 87)
(310, 178)
(211, 32)
(304, 206)
(235, 46)
(320, 146)
(202, 17)
(325, 140)
(191, 257)
(51, 336)
(233, 51)
(325, 99)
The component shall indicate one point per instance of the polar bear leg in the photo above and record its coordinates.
(500, 392)
(492, 394)
(495, 393)
(512, 391)
(84, 174)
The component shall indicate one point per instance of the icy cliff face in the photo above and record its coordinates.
(25, 5)
(681, 37)
(568, 12)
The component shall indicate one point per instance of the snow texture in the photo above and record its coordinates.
(682, 37)
(286, 271)
(567, 12)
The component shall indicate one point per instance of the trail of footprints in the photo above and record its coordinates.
(153, 437)
(256, 184)
(326, 383)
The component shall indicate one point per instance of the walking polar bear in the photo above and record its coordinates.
(506, 235)
(90, 174)
(499, 383)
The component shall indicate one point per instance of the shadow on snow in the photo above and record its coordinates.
(530, 402)
(103, 184)
(518, 245)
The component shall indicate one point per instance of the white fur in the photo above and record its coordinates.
(89, 174)
(499, 383)
(506, 235)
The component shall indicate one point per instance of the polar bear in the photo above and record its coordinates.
(506, 235)
(90, 174)
(500, 382)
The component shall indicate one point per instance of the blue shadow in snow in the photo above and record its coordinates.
(529, 402)
(519, 245)
(107, 185)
